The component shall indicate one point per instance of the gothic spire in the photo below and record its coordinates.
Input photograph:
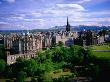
(67, 26)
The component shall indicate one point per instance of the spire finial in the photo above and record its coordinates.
(68, 25)
(67, 20)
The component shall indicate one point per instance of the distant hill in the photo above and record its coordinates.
(58, 28)
(11, 30)
(81, 27)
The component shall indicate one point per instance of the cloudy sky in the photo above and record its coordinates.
(33, 14)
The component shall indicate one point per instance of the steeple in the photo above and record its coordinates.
(67, 21)
(68, 26)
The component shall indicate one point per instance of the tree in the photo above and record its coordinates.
(60, 43)
(57, 55)
(103, 32)
(2, 65)
(21, 76)
(48, 65)
(2, 52)
(33, 79)
(62, 79)
(18, 66)
(46, 77)
(30, 66)
(9, 72)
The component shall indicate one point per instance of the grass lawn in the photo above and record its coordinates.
(61, 73)
(100, 47)
(105, 55)
(4, 80)
(28, 79)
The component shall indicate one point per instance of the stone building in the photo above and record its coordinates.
(87, 37)
(100, 39)
(47, 40)
(26, 45)
(66, 37)
(107, 36)
(22, 45)
(1, 39)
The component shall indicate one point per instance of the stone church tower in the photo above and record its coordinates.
(68, 26)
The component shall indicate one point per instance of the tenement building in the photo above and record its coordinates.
(67, 37)
(21, 45)
(26, 45)
(88, 37)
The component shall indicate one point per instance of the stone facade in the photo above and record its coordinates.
(27, 44)
(107, 36)
(20, 45)
(89, 38)
(66, 37)
(23, 43)
(12, 58)
(100, 39)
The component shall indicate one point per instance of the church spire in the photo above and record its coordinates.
(67, 20)
(67, 26)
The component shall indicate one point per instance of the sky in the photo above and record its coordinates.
(43, 14)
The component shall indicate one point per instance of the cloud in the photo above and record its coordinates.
(76, 1)
(53, 2)
(56, 15)
(33, 20)
(50, 13)
(99, 13)
(83, 1)
(64, 10)
(58, 10)
(4, 23)
(10, 1)
(71, 6)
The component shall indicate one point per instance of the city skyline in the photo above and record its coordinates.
(41, 14)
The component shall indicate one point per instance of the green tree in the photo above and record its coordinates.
(34, 79)
(46, 77)
(60, 43)
(21, 76)
(2, 52)
(18, 66)
(61, 79)
(30, 66)
(48, 65)
(9, 72)
(2, 65)
(103, 32)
